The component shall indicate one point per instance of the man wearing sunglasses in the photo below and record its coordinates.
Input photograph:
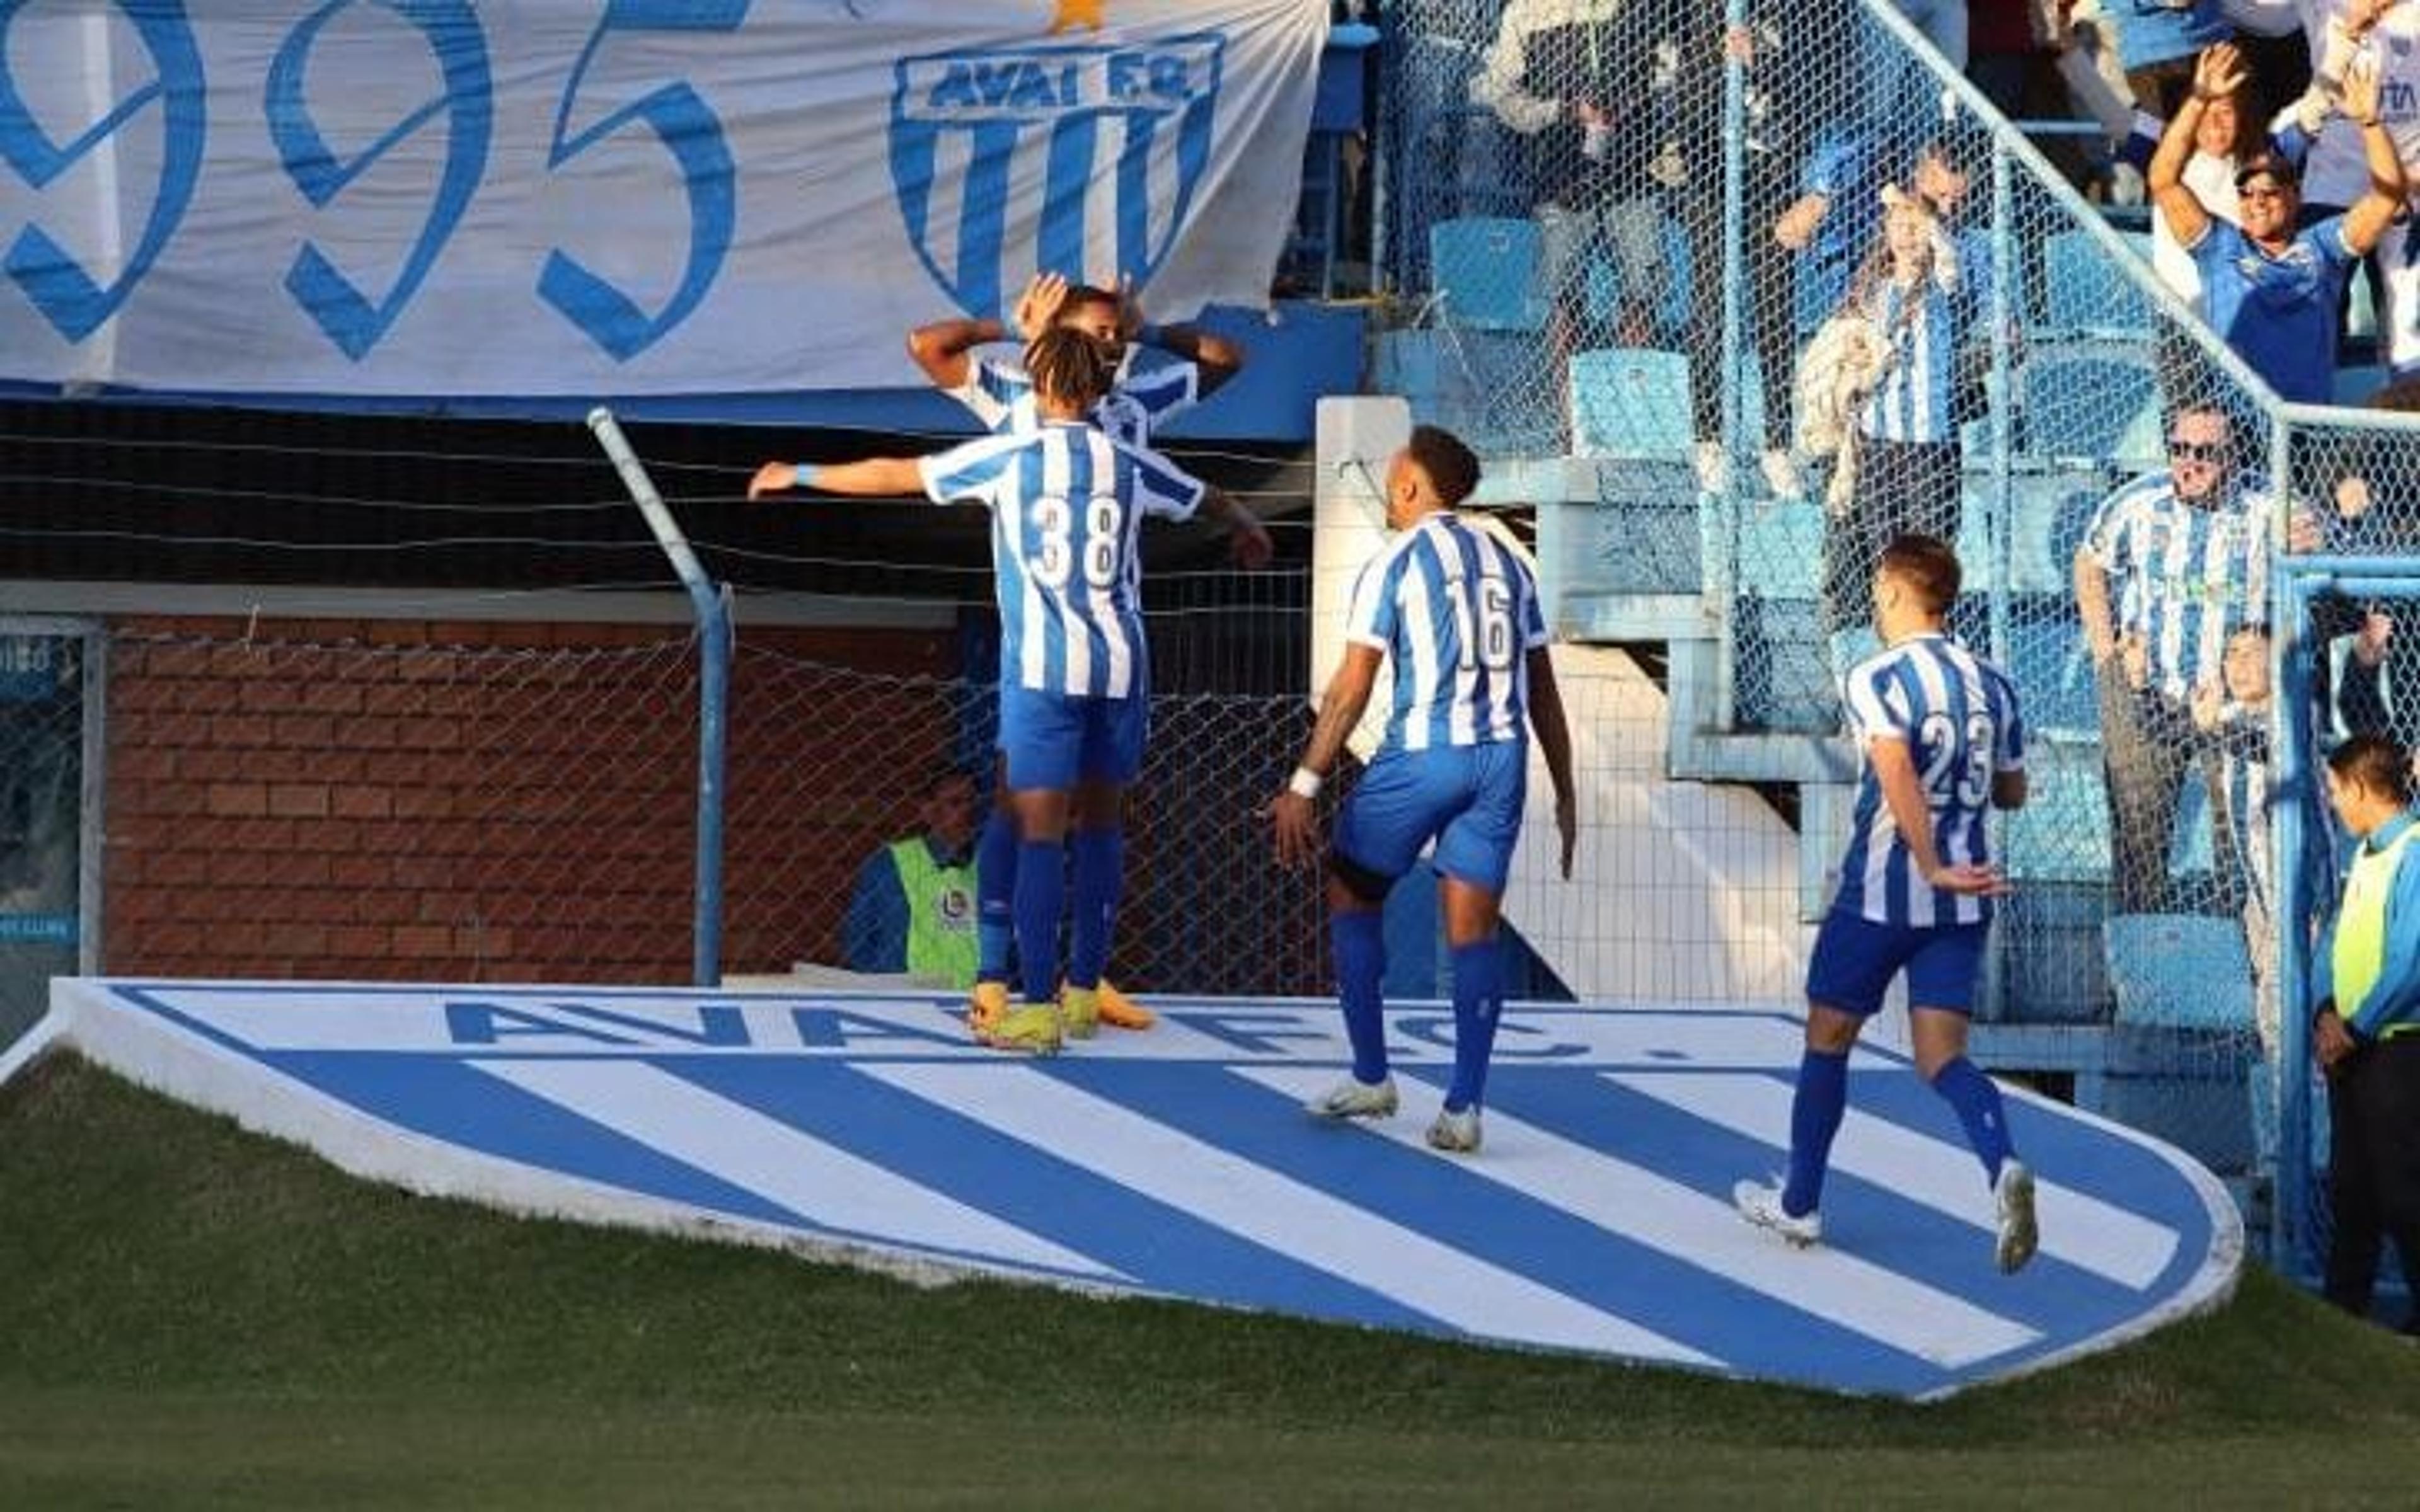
(2270, 288)
(2173, 565)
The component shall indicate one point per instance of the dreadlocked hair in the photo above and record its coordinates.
(1069, 366)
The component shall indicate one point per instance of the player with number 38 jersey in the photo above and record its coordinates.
(1067, 504)
(1957, 714)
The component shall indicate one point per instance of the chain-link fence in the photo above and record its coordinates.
(289, 808)
(830, 764)
(2348, 615)
(296, 808)
(45, 680)
(1785, 252)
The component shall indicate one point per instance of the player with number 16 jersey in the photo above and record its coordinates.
(1456, 612)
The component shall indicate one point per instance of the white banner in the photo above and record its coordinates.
(553, 197)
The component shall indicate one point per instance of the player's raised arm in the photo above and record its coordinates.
(1213, 357)
(940, 348)
(876, 477)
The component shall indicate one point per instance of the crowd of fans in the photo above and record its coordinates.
(2272, 140)
(2278, 143)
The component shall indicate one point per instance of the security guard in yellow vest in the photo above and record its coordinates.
(913, 909)
(2367, 1031)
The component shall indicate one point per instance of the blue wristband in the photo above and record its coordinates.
(1151, 336)
(803, 475)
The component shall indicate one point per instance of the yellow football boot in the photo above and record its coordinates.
(1079, 1012)
(985, 1006)
(1029, 1029)
(1119, 1011)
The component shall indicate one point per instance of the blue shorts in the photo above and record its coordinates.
(1467, 798)
(1053, 740)
(1857, 958)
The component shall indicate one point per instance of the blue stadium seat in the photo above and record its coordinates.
(1630, 413)
(2062, 833)
(2192, 864)
(2098, 402)
(2045, 967)
(1849, 646)
(1781, 550)
(2178, 971)
(2088, 293)
(2052, 667)
(1484, 271)
(1781, 677)
(1668, 303)
(1631, 402)
(1482, 378)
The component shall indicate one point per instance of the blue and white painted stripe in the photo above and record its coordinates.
(1596, 1219)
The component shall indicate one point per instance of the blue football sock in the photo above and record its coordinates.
(1815, 1114)
(1977, 1102)
(1100, 882)
(1041, 889)
(1360, 947)
(995, 897)
(1478, 1002)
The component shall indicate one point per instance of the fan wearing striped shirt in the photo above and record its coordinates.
(1906, 481)
(1000, 395)
(1943, 742)
(1455, 611)
(1067, 502)
(2172, 567)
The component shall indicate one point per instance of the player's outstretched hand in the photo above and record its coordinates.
(1567, 828)
(773, 478)
(1297, 823)
(1971, 880)
(1039, 304)
(1253, 548)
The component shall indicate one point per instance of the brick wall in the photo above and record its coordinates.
(381, 800)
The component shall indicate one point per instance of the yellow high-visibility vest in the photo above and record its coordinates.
(941, 914)
(2360, 952)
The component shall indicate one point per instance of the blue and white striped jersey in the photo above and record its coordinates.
(2184, 578)
(1958, 715)
(1911, 401)
(1456, 610)
(1067, 504)
(1001, 397)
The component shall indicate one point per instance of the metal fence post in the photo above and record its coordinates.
(1725, 578)
(712, 608)
(2290, 736)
